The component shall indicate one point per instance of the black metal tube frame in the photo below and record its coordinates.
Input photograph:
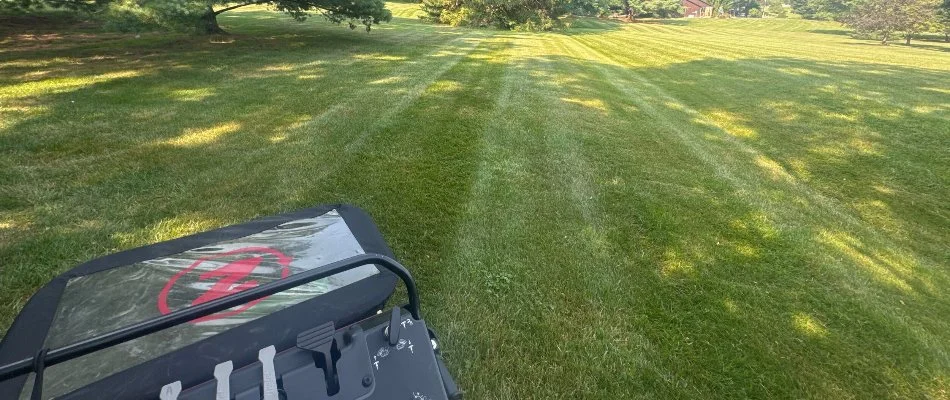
(135, 331)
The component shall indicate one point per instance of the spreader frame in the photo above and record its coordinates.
(49, 357)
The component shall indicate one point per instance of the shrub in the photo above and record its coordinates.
(662, 9)
(139, 15)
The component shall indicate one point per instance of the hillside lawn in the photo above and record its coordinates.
(664, 209)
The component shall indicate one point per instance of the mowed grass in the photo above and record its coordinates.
(686, 209)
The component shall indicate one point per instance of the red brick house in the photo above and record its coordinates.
(694, 8)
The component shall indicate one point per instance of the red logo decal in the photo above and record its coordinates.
(228, 279)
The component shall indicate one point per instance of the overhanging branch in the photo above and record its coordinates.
(229, 8)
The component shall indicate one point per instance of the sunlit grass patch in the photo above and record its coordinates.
(809, 326)
(60, 85)
(197, 137)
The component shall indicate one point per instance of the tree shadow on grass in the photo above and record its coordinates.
(209, 151)
(592, 25)
(663, 21)
(142, 140)
(915, 43)
(784, 239)
(840, 32)
(899, 43)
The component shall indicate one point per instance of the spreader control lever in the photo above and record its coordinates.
(392, 331)
(320, 341)
(352, 363)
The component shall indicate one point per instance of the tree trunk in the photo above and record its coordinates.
(627, 10)
(884, 40)
(908, 38)
(209, 22)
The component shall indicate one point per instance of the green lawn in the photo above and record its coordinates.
(685, 209)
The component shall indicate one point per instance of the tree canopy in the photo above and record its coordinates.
(505, 14)
(540, 14)
(202, 14)
(822, 9)
(943, 19)
(880, 18)
(66, 4)
(884, 18)
(354, 12)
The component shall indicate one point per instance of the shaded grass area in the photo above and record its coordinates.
(621, 211)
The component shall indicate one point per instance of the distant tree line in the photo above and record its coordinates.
(540, 14)
(881, 19)
(822, 9)
(202, 15)
(885, 19)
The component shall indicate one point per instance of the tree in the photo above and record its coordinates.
(534, 15)
(627, 10)
(73, 5)
(804, 8)
(203, 14)
(822, 9)
(745, 7)
(354, 12)
(661, 9)
(943, 19)
(887, 17)
(919, 16)
(721, 8)
(776, 9)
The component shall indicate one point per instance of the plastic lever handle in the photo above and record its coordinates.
(170, 391)
(222, 374)
(266, 357)
(394, 326)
